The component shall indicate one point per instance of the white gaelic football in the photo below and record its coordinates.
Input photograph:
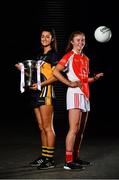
(103, 34)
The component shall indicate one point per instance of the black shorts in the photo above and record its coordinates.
(36, 100)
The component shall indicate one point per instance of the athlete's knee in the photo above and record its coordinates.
(40, 125)
(74, 131)
(47, 128)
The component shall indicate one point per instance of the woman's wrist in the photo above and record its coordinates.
(69, 83)
(95, 78)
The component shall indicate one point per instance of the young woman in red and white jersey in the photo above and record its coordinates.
(78, 104)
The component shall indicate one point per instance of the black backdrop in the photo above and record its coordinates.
(21, 22)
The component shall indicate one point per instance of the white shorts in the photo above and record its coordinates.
(76, 99)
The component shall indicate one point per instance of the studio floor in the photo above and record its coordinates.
(19, 147)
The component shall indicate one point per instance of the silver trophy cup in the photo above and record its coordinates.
(30, 67)
(30, 74)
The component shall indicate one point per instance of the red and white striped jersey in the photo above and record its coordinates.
(78, 68)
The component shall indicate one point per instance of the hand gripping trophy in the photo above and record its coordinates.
(30, 74)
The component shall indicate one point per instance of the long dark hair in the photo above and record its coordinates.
(73, 34)
(53, 34)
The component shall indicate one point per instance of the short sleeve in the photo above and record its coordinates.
(64, 60)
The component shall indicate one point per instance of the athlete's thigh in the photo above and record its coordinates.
(38, 114)
(84, 118)
(74, 118)
(47, 114)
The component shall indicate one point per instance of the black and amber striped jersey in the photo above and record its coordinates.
(48, 62)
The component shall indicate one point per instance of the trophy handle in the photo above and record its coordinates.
(38, 75)
(22, 82)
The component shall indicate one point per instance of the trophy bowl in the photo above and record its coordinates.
(30, 71)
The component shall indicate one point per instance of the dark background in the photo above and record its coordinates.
(21, 22)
